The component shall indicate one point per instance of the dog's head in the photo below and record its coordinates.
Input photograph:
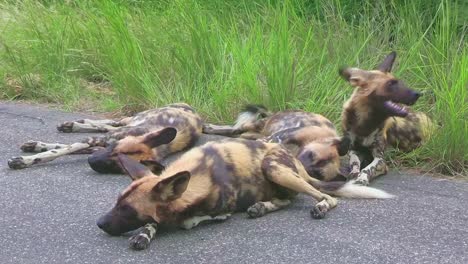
(321, 159)
(139, 148)
(138, 204)
(380, 89)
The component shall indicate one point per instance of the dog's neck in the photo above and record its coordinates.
(361, 118)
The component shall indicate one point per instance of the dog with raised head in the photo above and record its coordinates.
(212, 181)
(376, 116)
(147, 137)
(310, 137)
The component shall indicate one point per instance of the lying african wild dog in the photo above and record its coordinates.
(214, 180)
(374, 117)
(310, 137)
(147, 137)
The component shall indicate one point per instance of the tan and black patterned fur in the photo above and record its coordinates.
(147, 137)
(213, 181)
(373, 118)
(311, 138)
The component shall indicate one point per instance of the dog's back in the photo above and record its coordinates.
(408, 133)
(310, 137)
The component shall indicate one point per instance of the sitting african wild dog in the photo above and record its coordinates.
(373, 118)
(144, 137)
(310, 137)
(212, 181)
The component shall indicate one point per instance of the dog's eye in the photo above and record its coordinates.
(136, 152)
(321, 163)
(391, 85)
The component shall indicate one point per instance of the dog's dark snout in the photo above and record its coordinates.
(102, 162)
(105, 224)
(102, 223)
(417, 95)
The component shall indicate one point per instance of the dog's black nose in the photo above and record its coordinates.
(101, 223)
(417, 95)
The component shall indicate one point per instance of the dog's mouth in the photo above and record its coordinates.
(395, 109)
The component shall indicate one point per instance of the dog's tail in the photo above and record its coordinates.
(349, 190)
(251, 113)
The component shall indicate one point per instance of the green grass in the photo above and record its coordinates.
(219, 55)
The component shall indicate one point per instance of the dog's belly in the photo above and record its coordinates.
(238, 193)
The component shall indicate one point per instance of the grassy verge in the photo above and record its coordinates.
(219, 55)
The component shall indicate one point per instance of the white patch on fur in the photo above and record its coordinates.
(171, 120)
(244, 118)
(145, 236)
(369, 140)
(196, 220)
(352, 190)
(323, 204)
(362, 179)
(137, 122)
(151, 229)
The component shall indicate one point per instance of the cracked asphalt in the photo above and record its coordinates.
(48, 215)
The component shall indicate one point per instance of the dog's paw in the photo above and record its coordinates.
(31, 146)
(256, 210)
(361, 180)
(353, 175)
(318, 212)
(321, 208)
(208, 129)
(139, 242)
(16, 163)
(65, 127)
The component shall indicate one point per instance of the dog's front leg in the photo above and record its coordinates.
(26, 161)
(87, 146)
(377, 167)
(143, 237)
(355, 164)
(33, 146)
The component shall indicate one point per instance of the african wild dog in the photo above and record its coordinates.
(148, 137)
(310, 137)
(374, 117)
(214, 180)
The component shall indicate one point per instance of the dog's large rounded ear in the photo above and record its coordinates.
(354, 76)
(155, 167)
(172, 187)
(161, 137)
(133, 168)
(342, 145)
(387, 63)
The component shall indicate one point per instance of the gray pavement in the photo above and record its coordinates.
(48, 215)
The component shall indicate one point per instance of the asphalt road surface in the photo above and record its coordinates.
(48, 215)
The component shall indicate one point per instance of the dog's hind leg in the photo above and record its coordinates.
(144, 236)
(248, 130)
(280, 167)
(261, 208)
(90, 126)
(223, 130)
